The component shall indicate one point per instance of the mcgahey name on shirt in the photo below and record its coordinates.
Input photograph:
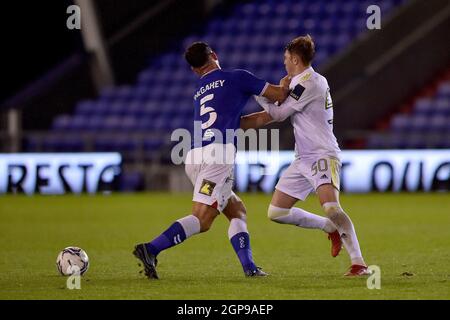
(209, 86)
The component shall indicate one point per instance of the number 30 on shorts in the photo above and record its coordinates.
(321, 165)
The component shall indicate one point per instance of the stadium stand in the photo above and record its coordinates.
(137, 119)
(424, 123)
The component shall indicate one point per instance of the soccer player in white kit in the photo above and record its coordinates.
(316, 166)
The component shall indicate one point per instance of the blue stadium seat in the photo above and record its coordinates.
(401, 123)
(439, 124)
(117, 108)
(397, 141)
(105, 144)
(101, 107)
(129, 123)
(142, 92)
(444, 140)
(152, 144)
(419, 123)
(135, 108)
(444, 90)
(86, 107)
(94, 123)
(150, 109)
(416, 141)
(108, 93)
(125, 92)
(62, 144)
(78, 123)
(132, 181)
(122, 144)
(143, 124)
(424, 107)
(442, 106)
(111, 123)
(377, 141)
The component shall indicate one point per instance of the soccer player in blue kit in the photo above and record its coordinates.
(218, 103)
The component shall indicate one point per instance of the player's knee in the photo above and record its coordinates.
(335, 213)
(274, 213)
(332, 209)
(243, 213)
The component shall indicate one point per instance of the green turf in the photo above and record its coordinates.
(407, 235)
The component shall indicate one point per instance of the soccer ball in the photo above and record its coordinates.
(72, 261)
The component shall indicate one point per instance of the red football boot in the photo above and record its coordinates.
(357, 270)
(336, 243)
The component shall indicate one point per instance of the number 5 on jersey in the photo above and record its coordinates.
(204, 110)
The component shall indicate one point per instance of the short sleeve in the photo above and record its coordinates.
(299, 97)
(249, 83)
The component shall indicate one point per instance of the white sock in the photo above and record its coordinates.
(300, 218)
(190, 224)
(236, 226)
(346, 229)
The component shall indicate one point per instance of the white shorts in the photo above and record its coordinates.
(212, 182)
(305, 175)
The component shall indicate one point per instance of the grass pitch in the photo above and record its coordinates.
(406, 235)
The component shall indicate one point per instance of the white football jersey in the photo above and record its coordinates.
(310, 108)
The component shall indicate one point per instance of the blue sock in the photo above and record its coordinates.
(171, 237)
(241, 244)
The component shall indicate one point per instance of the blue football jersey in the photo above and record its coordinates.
(219, 100)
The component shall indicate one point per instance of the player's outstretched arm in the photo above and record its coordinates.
(276, 93)
(280, 113)
(250, 84)
(255, 120)
(277, 113)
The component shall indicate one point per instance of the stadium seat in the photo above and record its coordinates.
(427, 126)
(378, 141)
(444, 90)
(400, 123)
(419, 123)
(440, 124)
(442, 106)
(94, 123)
(85, 107)
(424, 107)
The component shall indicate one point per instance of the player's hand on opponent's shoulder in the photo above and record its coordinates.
(286, 81)
(277, 93)
(284, 84)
